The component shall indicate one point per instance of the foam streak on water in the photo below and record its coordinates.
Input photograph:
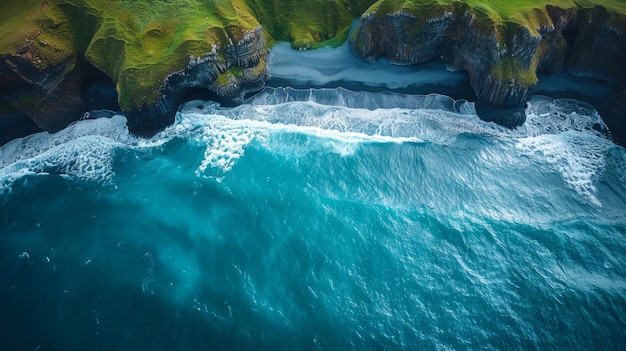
(318, 219)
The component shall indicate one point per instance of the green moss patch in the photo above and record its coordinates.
(512, 70)
(309, 24)
(489, 13)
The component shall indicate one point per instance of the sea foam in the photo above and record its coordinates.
(83, 150)
(568, 134)
(400, 228)
(571, 136)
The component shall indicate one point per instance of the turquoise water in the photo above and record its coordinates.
(315, 220)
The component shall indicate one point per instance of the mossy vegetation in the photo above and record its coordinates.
(309, 24)
(228, 77)
(501, 18)
(494, 13)
(513, 71)
(225, 79)
(138, 43)
(140, 51)
(37, 29)
(500, 43)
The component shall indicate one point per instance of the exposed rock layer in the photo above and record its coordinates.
(229, 73)
(502, 58)
(153, 59)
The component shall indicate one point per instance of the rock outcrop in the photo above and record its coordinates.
(227, 72)
(502, 52)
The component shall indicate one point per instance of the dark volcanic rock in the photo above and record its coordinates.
(598, 46)
(502, 58)
(213, 71)
(50, 50)
(52, 97)
(615, 117)
(153, 60)
(153, 52)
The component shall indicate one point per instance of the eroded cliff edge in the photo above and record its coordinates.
(154, 52)
(502, 52)
(53, 47)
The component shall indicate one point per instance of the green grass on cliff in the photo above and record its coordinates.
(309, 24)
(140, 51)
(140, 42)
(501, 18)
(504, 9)
(136, 42)
(510, 69)
(531, 14)
(38, 26)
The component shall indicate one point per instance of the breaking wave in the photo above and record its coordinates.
(317, 219)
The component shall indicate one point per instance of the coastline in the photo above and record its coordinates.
(338, 68)
(499, 47)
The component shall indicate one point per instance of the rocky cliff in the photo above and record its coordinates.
(502, 49)
(153, 59)
(154, 52)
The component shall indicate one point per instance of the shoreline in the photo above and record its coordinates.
(319, 69)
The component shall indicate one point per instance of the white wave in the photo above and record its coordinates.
(225, 143)
(339, 123)
(83, 150)
(341, 97)
(579, 158)
(567, 134)
(545, 115)
(226, 139)
(571, 136)
(432, 118)
(338, 113)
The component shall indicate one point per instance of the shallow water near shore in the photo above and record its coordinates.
(317, 219)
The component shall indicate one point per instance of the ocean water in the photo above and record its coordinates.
(317, 219)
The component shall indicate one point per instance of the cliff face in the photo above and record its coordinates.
(39, 72)
(308, 24)
(502, 54)
(153, 51)
(228, 72)
(598, 45)
(153, 59)
(52, 97)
